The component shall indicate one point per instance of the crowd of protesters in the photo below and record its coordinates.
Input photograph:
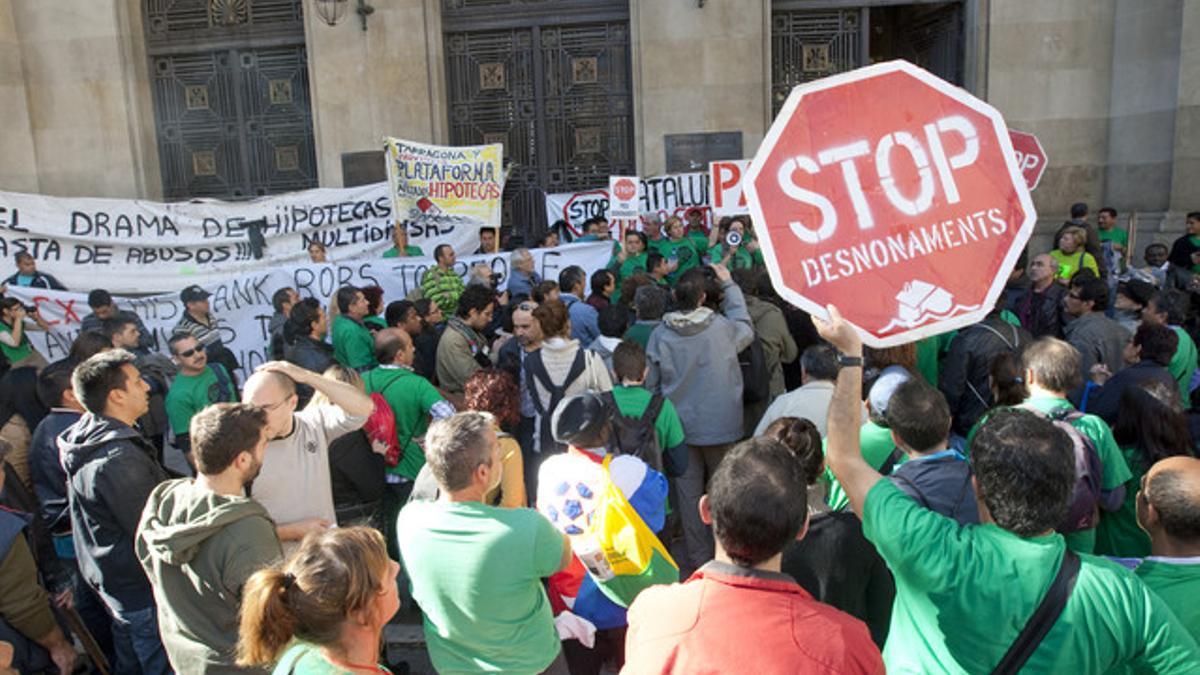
(1022, 493)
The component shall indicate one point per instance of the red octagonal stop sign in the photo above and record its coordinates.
(893, 195)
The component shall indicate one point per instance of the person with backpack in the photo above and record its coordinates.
(560, 369)
(413, 402)
(644, 424)
(776, 342)
(693, 359)
(966, 368)
(198, 384)
(1008, 594)
(933, 473)
(1051, 369)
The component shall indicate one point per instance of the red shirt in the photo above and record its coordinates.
(730, 619)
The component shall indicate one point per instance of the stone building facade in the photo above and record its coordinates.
(168, 99)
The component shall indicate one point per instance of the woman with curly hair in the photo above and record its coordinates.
(495, 392)
(492, 391)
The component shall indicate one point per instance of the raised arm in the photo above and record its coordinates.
(345, 396)
(845, 414)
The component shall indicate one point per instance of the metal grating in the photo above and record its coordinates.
(561, 131)
(809, 44)
(233, 122)
(171, 20)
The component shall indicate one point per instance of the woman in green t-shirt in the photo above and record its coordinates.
(742, 255)
(1071, 255)
(326, 606)
(14, 342)
(1151, 425)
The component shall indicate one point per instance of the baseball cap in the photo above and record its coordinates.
(193, 293)
(581, 421)
(885, 385)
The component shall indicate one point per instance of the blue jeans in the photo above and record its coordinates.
(137, 644)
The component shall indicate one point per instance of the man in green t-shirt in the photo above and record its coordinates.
(965, 592)
(477, 570)
(1168, 508)
(401, 247)
(632, 399)
(197, 385)
(353, 345)
(414, 402)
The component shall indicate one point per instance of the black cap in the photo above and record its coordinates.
(99, 298)
(582, 421)
(193, 293)
(1138, 291)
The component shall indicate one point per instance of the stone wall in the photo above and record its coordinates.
(77, 69)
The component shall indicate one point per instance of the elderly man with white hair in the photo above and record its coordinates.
(521, 277)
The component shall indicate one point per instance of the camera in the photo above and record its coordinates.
(31, 309)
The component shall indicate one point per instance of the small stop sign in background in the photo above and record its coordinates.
(894, 195)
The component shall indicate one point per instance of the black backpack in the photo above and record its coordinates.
(535, 370)
(636, 435)
(756, 379)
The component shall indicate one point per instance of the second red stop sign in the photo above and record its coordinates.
(893, 195)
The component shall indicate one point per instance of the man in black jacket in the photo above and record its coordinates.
(28, 275)
(1147, 354)
(307, 348)
(967, 367)
(111, 472)
(1039, 305)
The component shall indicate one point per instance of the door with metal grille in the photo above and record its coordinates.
(808, 44)
(231, 97)
(550, 79)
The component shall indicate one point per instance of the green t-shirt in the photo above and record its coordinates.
(1118, 533)
(1115, 235)
(353, 345)
(189, 394)
(741, 258)
(631, 266)
(683, 252)
(410, 251)
(477, 572)
(1116, 471)
(14, 354)
(963, 594)
(640, 333)
(410, 397)
(876, 445)
(303, 658)
(1183, 362)
(1179, 587)
(632, 402)
(1069, 264)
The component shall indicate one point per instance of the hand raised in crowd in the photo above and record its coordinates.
(1100, 373)
(722, 273)
(302, 375)
(838, 332)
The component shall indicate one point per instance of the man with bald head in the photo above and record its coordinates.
(1168, 509)
(294, 484)
(414, 402)
(1040, 305)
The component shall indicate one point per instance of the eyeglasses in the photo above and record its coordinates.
(527, 306)
(189, 353)
(273, 406)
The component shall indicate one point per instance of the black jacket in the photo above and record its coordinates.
(309, 354)
(1105, 402)
(965, 374)
(839, 567)
(110, 472)
(356, 473)
(49, 479)
(1040, 313)
(940, 484)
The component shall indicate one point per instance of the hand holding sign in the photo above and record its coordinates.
(917, 209)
